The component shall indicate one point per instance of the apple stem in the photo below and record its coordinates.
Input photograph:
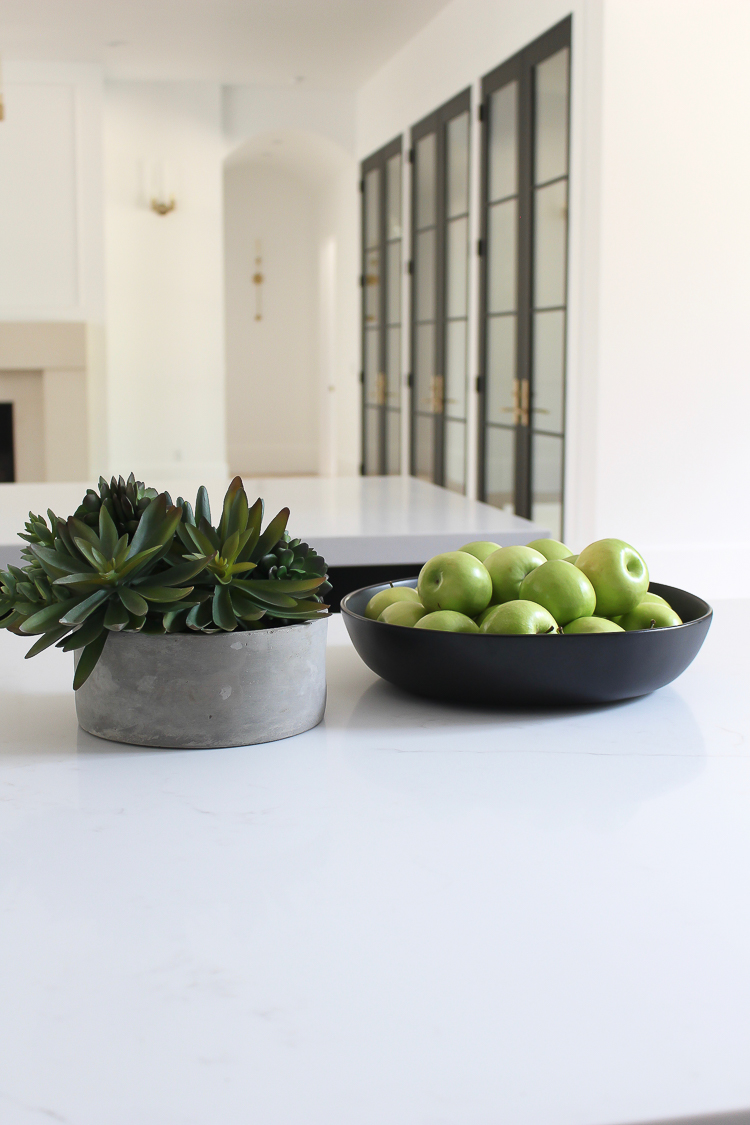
(653, 624)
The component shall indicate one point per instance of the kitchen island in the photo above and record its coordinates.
(415, 914)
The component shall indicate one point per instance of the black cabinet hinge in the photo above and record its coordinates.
(362, 377)
(480, 384)
(362, 185)
(410, 380)
(361, 280)
(411, 155)
(480, 247)
(410, 267)
(480, 113)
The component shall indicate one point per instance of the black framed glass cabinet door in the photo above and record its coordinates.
(381, 311)
(525, 114)
(439, 293)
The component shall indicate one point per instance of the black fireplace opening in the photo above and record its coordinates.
(7, 458)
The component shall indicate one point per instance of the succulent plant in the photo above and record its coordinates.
(252, 574)
(121, 563)
(126, 501)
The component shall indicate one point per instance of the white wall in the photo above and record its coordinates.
(51, 227)
(51, 256)
(673, 465)
(165, 313)
(272, 364)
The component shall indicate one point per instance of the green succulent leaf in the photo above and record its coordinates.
(117, 617)
(78, 614)
(287, 585)
(132, 601)
(200, 617)
(47, 618)
(183, 572)
(46, 640)
(156, 527)
(202, 506)
(107, 533)
(88, 660)
(88, 632)
(271, 535)
(223, 614)
(164, 593)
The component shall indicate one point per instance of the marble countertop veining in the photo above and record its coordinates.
(414, 914)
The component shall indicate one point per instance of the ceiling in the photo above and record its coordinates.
(328, 44)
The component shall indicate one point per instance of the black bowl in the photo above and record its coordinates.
(504, 670)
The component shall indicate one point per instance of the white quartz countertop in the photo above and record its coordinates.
(415, 914)
(352, 521)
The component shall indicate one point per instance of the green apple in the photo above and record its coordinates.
(618, 574)
(649, 597)
(650, 615)
(485, 614)
(457, 581)
(383, 598)
(550, 548)
(403, 613)
(592, 625)
(447, 621)
(519, 617)
(508, 567)
(480, 550)
(562, 589)
(571, 559)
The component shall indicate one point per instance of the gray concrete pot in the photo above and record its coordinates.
(199, 691)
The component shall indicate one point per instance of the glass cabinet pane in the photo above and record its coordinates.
(455, 455)
(372, 366)
(501, 257)
(547, 476)
(500, 462)
(550, 243)
(457, 142)
(424, 367)
(393, 442)
(393, 367)
(551, 141)
(372, 441)
(393, 283)
(372, 208)
(372, 287)
(549, 370)
(424, 447)
(425, 171)
(455, 369)
(457, 266)
(502, 157)
(393, 206)
(424, 275)
(501, 369)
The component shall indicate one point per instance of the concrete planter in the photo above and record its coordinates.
(200, 691)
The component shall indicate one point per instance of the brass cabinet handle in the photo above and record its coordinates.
(524, 402)
(437, 394)
(380, 389)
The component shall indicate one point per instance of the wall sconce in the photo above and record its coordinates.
(157, 187)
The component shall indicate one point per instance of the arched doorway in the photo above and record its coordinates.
(290, 231)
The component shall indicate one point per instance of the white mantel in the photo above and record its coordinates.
(43, 372)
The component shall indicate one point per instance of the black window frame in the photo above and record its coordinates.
(378, 161)
(435, 122)
(521, 69)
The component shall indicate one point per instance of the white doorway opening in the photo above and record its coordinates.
(290, 267)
